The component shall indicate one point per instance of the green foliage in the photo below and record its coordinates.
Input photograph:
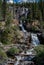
(4, 9)
(41, 7)
(23, 18)
(0, 3)
(0, 9)
(34, 28)
(36, 10)
(16, 31)
(3, 55)
(15, 28)
(7, 34)
(8, 19)
(39, 49)
(39, 59)
(14, 50)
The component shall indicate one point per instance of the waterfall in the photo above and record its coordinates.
(35, 39)
(21, 25)
(26, 12)
(18, 59)
(23, 30)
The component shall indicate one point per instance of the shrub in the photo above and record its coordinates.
(39, 58)
(7, 33)
(3, 56)
(12, 51)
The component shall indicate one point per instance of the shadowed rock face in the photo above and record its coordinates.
(41, 38)
(32, 26)
(11, 64)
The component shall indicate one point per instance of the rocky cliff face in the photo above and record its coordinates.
(32, 26)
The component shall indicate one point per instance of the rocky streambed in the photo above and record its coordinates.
(26, 43)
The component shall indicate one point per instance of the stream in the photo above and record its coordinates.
(34, 41)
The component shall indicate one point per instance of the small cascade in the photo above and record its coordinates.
(35, 39)
(23, 30)
(21, 25)
(26, 12)
(18, 59)
(30, 51)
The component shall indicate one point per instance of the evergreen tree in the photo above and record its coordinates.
(0, 8)
(41, 7)
(4, 9)
(0, 5)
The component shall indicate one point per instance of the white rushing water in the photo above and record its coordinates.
(21, 25)
(23, 30)
(30, 51)
(18, 59)
(35, 39)
(26, 13)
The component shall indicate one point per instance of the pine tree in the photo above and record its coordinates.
(0, 3)
(13, 8)
(4, 9)
(0, 8)
(41, 7)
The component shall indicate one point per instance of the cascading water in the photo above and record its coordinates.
(21, 25)
(35, 39)
(23, 30)
(26, 13)
(18, 59)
